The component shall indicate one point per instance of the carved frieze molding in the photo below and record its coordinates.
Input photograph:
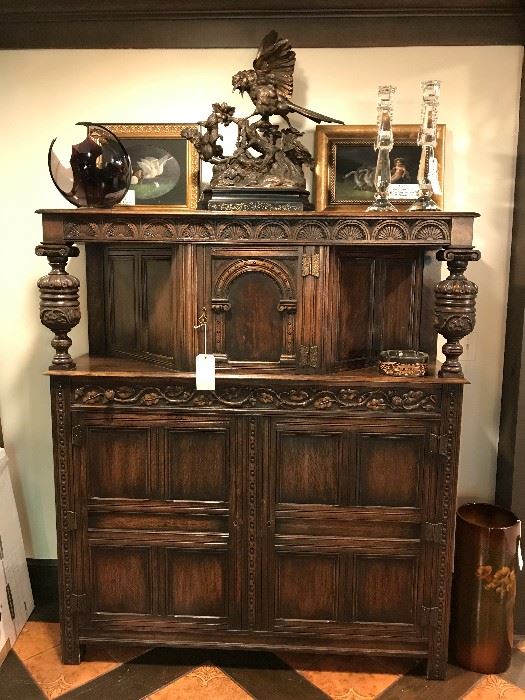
(210, 228)
(399, 400)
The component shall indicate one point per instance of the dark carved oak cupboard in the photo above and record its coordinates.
(305, 504)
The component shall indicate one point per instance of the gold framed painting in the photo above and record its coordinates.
(346, 161)
(165, 165)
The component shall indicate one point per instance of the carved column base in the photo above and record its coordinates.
(59, 305)
(455, 306)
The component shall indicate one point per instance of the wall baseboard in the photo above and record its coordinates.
(43, 574)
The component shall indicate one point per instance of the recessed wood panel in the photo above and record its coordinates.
(158, 311)
(306, 587)
(308, 468)
(388, 468)
(355, 317)
(157, 522)
(398, 304)
(118, 462)
(385, 589)
(122, 307)
(197, 583)
(254, 324)
(197, 463)
(121, 580)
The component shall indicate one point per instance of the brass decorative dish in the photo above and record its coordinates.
(403, 363)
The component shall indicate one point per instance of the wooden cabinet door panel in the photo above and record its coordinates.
(159, 537)
(346, 505)
(386, 588)
(253, 328)
(198, 464)
(309, 467)
(355, 320)
(121, 579)
(376, 304)
(388, 469)
(252, 293)
(138, 304)
(122, 303)
(306, 586)
(197, 583)
(118, 463)
(157, 305)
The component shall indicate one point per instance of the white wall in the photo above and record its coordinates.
(44, 92)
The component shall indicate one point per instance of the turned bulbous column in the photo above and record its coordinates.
(455, 311)
(59, 304)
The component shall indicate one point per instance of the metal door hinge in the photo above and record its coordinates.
(77, 435)
(311, 265)
(78, 602)
(10, 601)
(432, 532)
(70, 520)
(429, 616)
(308, 355)
(438, 444)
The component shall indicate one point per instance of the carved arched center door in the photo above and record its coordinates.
(254, 306)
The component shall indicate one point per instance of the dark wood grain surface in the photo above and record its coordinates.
(193, 24)
(305, 504)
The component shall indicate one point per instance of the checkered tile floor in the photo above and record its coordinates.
(32, 670)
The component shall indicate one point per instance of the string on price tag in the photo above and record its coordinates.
(204, 363)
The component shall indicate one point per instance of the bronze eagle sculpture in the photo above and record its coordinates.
(270, 83)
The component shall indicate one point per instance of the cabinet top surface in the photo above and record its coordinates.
(171, 211)
(98, 366)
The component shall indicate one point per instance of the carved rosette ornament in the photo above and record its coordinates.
(59, 305)
(455, 315)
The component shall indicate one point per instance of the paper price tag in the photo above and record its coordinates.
(205, 372)
(404, 191)
(433, 175)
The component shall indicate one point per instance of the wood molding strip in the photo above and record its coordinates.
(226, 24)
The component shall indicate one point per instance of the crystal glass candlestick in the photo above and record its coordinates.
(383, 145)
(427, 139)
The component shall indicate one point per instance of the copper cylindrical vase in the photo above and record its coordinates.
(484, 587)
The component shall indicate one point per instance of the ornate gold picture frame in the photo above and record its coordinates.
(165, 164)
(346, 160)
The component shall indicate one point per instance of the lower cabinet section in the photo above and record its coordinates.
(253, 530)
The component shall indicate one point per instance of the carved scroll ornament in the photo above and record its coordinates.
(375, 400)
